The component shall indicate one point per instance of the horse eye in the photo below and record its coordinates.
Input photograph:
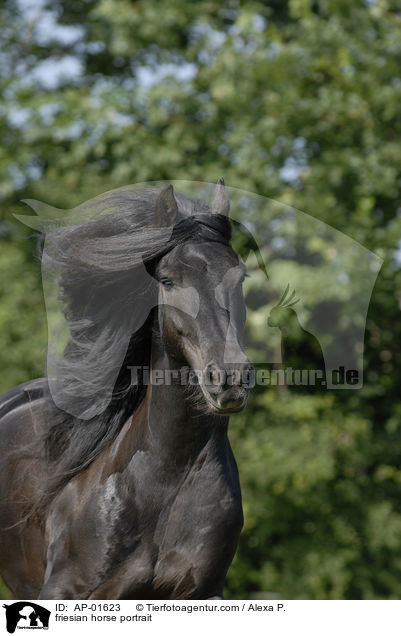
(166, 282)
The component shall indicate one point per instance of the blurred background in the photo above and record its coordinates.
(295, 100)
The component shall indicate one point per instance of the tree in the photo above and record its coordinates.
(298, 101)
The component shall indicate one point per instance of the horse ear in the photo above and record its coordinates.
(220, 203)
(166, 207)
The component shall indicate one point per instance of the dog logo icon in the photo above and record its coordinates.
(26, 615)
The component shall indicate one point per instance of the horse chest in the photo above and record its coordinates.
(165, 509)
(148, 531)
(171, 539)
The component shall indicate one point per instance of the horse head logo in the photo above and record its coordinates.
(29, 614)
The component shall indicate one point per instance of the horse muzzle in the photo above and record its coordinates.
(227, 389)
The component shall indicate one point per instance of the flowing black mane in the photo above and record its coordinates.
(97, 260)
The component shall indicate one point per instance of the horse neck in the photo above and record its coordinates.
(168, 427)
(175, 428)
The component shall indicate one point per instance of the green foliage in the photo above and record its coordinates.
(22, 319)
(319, 519)
(294, 100)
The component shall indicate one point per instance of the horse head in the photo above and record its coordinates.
(201, 306)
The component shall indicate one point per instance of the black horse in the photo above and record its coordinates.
(133, 494)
